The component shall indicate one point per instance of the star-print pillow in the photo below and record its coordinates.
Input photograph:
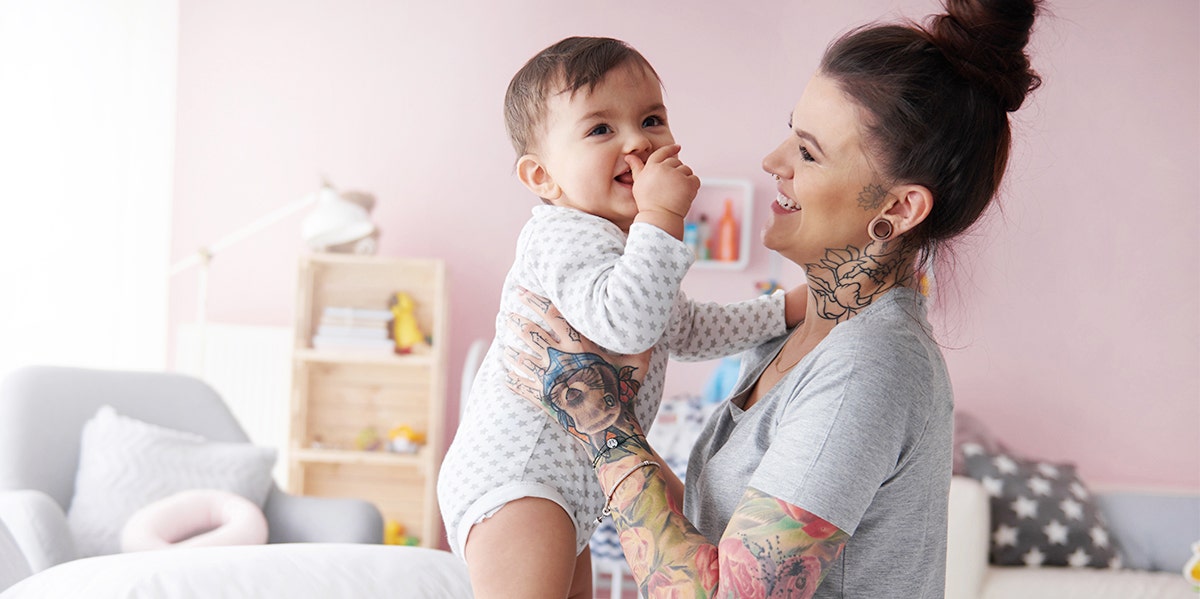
(1042, 514)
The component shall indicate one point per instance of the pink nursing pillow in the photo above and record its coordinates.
(196, 518)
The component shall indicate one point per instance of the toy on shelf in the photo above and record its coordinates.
(368, 440)
(393, 534)
(767, 287)
(771, 285)
(403, 439)
(405, 332)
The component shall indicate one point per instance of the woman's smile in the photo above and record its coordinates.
(784, 205)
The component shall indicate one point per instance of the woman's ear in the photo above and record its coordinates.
(536, 178)
(911, 207)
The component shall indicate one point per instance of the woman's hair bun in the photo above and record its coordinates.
(985, 40)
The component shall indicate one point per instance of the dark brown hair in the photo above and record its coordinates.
(565, 67)
(938, 98)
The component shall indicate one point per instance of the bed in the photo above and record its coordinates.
(294, 570)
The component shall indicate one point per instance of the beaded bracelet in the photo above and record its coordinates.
(607, 511)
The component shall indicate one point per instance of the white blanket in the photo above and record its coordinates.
(295, 571)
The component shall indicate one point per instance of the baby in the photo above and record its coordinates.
(587, 120)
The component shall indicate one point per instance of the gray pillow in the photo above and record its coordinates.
(1042, 513)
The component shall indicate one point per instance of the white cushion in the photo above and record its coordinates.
(195, 518)
(292, 570)
(125, 464)
(39, 527)
(13, 565)
(967, 538)
(1060, 582)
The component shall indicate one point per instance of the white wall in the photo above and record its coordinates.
(87, 121)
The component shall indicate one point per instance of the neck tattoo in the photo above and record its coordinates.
(846, 281)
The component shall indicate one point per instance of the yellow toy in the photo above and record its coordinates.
(403, 439)
(405, 332)
(1191, 570)
(393, 534)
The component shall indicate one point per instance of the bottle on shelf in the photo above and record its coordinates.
(726, 249)
(703, 239)
(691, 237)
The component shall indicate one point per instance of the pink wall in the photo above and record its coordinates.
(1075, 327)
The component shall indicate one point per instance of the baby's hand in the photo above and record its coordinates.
(663, 183)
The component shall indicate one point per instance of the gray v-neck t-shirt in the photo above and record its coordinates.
(858, 433)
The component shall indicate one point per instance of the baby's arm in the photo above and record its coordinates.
(616, 291)
(708, 330)
(664, 188)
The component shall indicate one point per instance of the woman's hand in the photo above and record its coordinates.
(587, 390)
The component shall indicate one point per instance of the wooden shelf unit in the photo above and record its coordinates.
(336, 394)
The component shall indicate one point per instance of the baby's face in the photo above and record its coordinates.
(588, 134)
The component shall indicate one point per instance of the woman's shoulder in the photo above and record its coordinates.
(892, 336)
(898, 316)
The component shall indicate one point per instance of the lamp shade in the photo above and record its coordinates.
(335, 221)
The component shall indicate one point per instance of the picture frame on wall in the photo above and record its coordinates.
(717, 227)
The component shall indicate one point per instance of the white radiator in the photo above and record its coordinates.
(251, 367)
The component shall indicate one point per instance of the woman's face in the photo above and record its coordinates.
(828, 192)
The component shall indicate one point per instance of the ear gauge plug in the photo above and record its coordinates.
(880, 229)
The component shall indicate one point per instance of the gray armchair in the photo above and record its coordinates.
(42, 413)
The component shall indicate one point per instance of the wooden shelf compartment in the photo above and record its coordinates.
(367, 282)
(337, 394)
(400, 494)
(336, 401)
(347, 456)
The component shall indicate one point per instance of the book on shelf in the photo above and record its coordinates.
(384, 345)
(374, 331)
(364, 315)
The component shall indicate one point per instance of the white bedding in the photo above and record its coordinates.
(295, 571)
(1015, 582)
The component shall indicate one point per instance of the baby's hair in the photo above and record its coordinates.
(938, 99)
(565, 67)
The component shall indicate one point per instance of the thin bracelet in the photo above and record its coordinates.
(608, 503)
(610, 445)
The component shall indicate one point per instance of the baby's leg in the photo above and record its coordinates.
(581, 586)
(526, 549)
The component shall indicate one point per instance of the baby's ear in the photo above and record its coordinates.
(536, 178)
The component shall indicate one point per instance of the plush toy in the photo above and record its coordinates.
(403, 439)
(367, 245)
(405, 332)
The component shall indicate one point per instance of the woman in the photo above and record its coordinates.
(826, 474)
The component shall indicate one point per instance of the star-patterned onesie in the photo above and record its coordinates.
(622, 292)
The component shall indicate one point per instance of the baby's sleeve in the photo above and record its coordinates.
(616, 291)
(708, 330)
